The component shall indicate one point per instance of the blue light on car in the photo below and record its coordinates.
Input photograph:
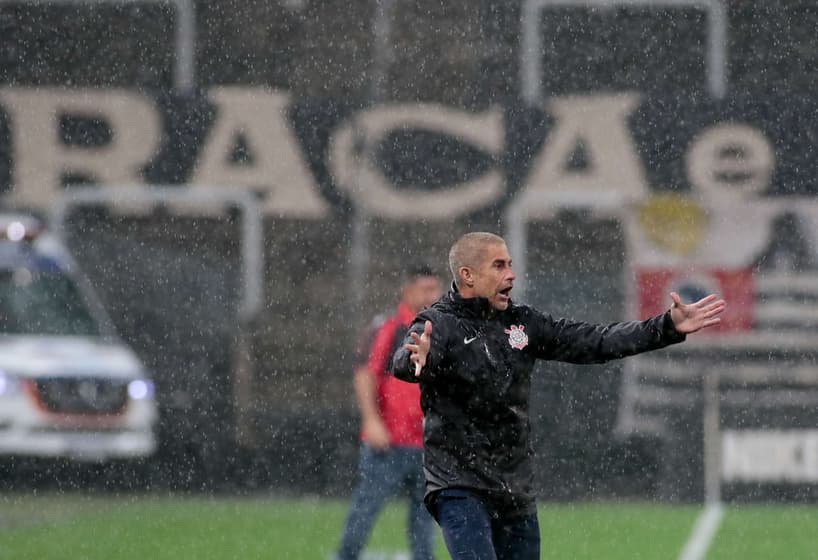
(139, 389)
(8, 384)
(16, 231)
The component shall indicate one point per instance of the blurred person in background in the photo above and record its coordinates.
(391, 456)
(472, 353)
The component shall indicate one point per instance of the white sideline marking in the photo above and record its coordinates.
(703, 532)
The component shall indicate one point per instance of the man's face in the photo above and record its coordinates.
(422, 291)
(493, 278)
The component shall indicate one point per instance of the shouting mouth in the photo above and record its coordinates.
(504, 294)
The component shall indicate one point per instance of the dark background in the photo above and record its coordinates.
(170, 282)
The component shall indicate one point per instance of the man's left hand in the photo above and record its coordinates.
(689, 318)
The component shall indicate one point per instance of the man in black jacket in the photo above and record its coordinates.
(472, 353)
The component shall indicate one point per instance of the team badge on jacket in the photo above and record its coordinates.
(517, 337)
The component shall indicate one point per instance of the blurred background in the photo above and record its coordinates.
(623, 148)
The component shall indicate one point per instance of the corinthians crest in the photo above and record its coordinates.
(517, 337)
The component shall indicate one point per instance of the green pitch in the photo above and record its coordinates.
(79, 527)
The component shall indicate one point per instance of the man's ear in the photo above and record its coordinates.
(466, 276)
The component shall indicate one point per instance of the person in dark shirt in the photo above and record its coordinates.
(472, 354)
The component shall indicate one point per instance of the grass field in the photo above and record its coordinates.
(78, 527)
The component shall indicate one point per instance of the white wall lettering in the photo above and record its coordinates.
(596, 125)
(277, 167)
(357, 175)
(41, 159)
(730, 159)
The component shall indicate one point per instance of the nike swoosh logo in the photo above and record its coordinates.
(468, 340)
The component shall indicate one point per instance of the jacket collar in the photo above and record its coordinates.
(478, 307)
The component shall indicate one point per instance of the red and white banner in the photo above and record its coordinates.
(734, 285)
(751, 251)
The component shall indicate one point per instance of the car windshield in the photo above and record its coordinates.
(43, 302)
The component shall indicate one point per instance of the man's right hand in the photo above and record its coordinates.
(375, 434)
(420, 349)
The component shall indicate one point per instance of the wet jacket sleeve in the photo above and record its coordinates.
(402, 367)
(584, 343)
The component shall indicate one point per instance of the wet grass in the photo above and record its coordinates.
(774, 531)
(80, 527)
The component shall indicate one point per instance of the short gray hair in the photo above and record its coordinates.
(468, 251)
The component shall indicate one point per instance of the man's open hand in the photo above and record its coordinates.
(689, 318)
(420, 349)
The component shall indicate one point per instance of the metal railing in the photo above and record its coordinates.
(209, 199)
(531, 41)
(194, 197)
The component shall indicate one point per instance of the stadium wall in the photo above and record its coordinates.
(306, 68)
(303, 159)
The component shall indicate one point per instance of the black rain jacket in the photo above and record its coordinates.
(476, 382)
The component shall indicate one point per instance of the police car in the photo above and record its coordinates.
(69, 388)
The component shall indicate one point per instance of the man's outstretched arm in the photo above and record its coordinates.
(585, 343)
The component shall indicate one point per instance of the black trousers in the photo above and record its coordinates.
(474, 529)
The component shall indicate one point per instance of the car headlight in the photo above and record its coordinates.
(9, 385)
(140, 389)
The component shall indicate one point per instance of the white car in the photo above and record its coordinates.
(69, 387)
